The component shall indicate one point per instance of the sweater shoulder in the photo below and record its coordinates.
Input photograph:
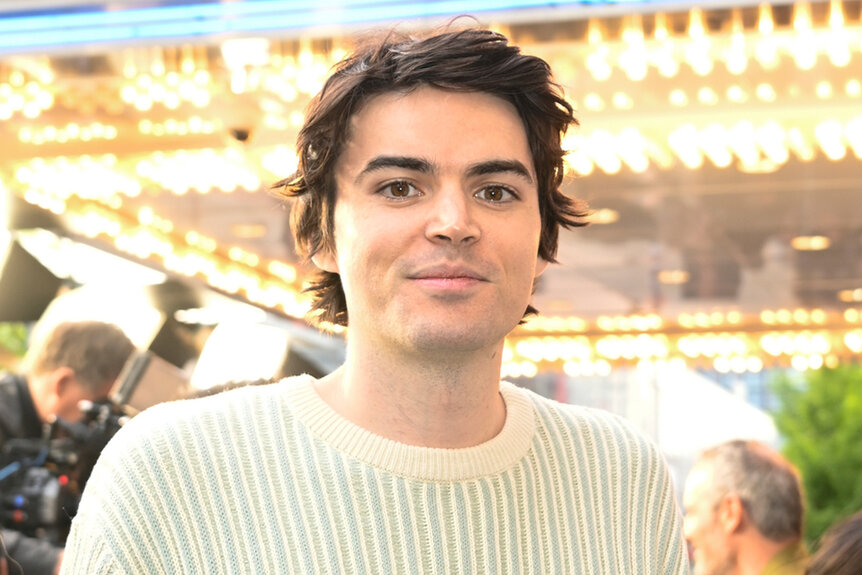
(596, 430)
(225, 404)
(181, 420)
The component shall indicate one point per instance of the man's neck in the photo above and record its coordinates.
(449, 402)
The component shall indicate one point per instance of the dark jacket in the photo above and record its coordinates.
(19, 420)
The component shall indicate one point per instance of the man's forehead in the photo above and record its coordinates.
(382, 102)
(404, 122)
(379, 99)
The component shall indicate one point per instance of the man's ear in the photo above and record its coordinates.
(60, 380)
(731, 513)
(326, 261)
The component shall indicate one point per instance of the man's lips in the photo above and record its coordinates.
(447, 283)
(447, 276)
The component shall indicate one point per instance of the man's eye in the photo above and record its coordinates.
(398, 189)
(494, 194)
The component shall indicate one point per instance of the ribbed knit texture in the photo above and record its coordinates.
(269, 479)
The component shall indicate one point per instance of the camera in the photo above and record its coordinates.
(42, 479)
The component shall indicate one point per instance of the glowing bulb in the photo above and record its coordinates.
(736, 94)
(737, 61)
(803, 48)
(593, 101)
(595, 36)
(829, 136)
(766, 92)
(823, 90)
(707, 96)
(678, 97)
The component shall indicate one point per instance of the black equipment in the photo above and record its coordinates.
(42, 479)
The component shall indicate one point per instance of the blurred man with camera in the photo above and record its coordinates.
(73, 362)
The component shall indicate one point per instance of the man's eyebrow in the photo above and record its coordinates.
(424, 166)
(403, 162)
(500, 166)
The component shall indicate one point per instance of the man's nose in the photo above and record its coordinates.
(452, 217)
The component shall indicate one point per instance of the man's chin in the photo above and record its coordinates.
(726, 567)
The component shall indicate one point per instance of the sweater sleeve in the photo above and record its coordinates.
(88, 553)
(88, 547)
(110, 534)
(671, 550)
(127, 521)
(658, 526)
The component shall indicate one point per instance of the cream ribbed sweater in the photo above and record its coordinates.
(269, 479)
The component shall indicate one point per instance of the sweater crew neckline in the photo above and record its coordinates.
(416, 462)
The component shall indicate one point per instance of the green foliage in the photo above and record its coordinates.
(13, 338)
(820, 418)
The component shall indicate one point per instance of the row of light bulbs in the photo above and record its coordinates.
(782, 318)
(27, 97)
(171, 90)
(767, 145)
(71, 132)
(149, 81)
(754, 147)
(103, 178)
(693, 346)
(735, 93)
(514, 368)
(635, 54)
(190, 125)
(723, 352)
(179, 172)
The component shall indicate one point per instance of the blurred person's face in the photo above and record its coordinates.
(59, 392)
(711, 548)
(68, 406)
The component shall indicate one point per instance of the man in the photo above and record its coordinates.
(428, 195)
(743, 505)
(75, 361)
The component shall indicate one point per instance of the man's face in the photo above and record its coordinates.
(68, 407)
(712, 549)
(436, 221)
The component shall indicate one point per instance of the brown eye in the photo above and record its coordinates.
(494, 193)
(399, 189)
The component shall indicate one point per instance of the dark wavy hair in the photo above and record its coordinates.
(840, 551)
(465, 60)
